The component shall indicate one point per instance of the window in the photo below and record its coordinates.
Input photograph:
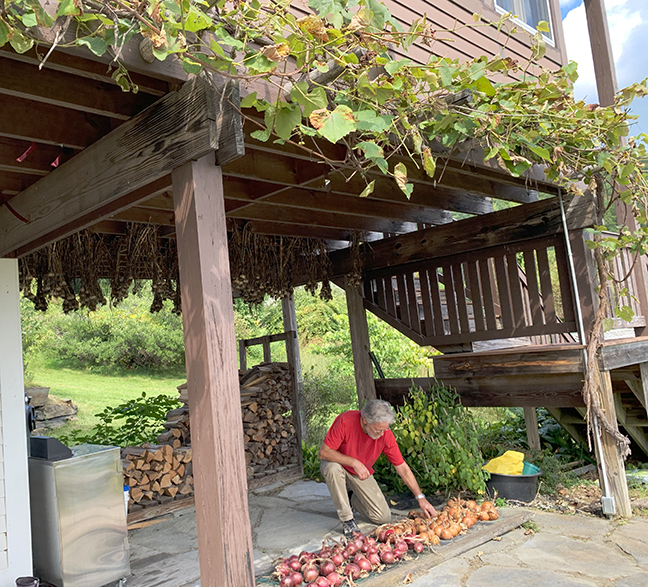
(528, 13)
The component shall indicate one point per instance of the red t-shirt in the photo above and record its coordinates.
(347, 436)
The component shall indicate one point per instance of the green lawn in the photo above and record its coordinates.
(92, 391)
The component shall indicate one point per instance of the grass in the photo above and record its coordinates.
(93, 391)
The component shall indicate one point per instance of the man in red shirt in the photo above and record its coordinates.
(352, 445)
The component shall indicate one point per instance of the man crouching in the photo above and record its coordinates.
(352, 445)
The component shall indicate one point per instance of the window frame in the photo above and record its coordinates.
(550, 40)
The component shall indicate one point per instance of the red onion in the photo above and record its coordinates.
(310, 572)
(283, 570)
(345, 554)
(359, 543)
(382, 535)
(364, 564)
(352, 570)
(295, 565)
(418, 547)
(296, 579)
(398, 553)
(285, 582)
(402, 545)
(334, 579)
(322, 582)
(327, 567)
(337, 559)
(351, 549)
(387, 556)
(372, 550)
(374, 559)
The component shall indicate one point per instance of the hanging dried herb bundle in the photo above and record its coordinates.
(265, 265)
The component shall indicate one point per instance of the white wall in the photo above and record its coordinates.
(15, 530)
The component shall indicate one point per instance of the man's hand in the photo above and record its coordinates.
(427, 507)
(361, 470)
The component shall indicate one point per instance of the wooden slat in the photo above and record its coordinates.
(545, 287)
(532, 287)
(517, 303)
(460, 292)
(415, 322)
(503, 291)
(485, 274)
(426, 302)
(380, 293)
(390, 298)
(615, 355)
(435, 295)
(476, 296)
(451, 300)
(141, 150)
(565, 282)
(403, 308)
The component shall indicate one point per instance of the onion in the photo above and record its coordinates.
(387, 556)
(382, 535)
(310, 572)
(283, 570)
(327, 567)
(352, 570)
(372, 550)
(295, 565)
(337, 559)
(345, 554)
(358, 542)
(334, 579)
(322, 582)
(285, 582)
(374, 559)
(418, 547)
(364, 564)
(402, 545)
(296, 579)
(398, 553)
(351, 549)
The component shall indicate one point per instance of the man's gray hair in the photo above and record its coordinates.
(378, 410)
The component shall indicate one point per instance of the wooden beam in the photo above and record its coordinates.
(599, 34)
(635, 432)
(644, 384)
(531, 422)
(182, 126)
(558, 414)
(28, 120)
(301, 231)
(360, 345)
(615, 355)
(25, 81)
(59, 61)
(222, 518)
(504, 227)
(609, 453)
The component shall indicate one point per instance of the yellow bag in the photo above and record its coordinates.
(510, 463)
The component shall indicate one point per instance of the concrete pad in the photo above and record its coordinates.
(508, 541)
(281, 530)
(528, 577)
(637, 549)
(305, 491)
(268, 488)
(448, 574)
(558, 553)
(572, 526)
(638, 580)
(324, 507)
(175, 569)
(164, 537)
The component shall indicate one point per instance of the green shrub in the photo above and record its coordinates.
(310, 455)
(440, 442)
(129, 424)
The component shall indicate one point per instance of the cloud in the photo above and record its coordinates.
(628, 26)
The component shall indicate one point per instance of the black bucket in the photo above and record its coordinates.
(27, 582)
(516, 487)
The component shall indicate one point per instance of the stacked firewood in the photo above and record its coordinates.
(269, 435)
(157, 474)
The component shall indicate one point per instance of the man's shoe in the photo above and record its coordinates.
(350, 528)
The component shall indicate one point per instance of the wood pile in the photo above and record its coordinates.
(157, 474)
(162, 472)
(269, 434)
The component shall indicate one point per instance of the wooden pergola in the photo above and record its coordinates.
(78, 153)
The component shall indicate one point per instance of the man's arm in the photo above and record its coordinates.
(328, 454)
(407, 476)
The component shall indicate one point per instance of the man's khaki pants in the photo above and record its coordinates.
(367, 498)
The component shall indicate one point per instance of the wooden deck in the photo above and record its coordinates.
(549, 376)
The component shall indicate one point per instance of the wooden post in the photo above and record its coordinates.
(531, 421)
(294, 364)
(242, 355)
(586, 278)
(222, 519)
(360, 347)
(606, 82)
(610, 453)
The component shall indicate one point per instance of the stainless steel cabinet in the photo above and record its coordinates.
(79, 532)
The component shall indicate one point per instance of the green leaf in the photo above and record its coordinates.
(543, 26)
(20, 42)
(261, 135)
(314, 100)
(287, 119)
(67, 8)
(5, 32)
(338, 124)
(625, 313)
(326, 7)
(484, 85)
(400, 175)
(189, 67)
(96, 44)
(429, 162)
(446, 75)
(249, 100)
(393, 66)
(368, 190)
(540, 152)
(42, 17)
(370, 149)
(258, 63)
(196, 20)
(29, 19)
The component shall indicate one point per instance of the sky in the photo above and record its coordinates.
(628, 26)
